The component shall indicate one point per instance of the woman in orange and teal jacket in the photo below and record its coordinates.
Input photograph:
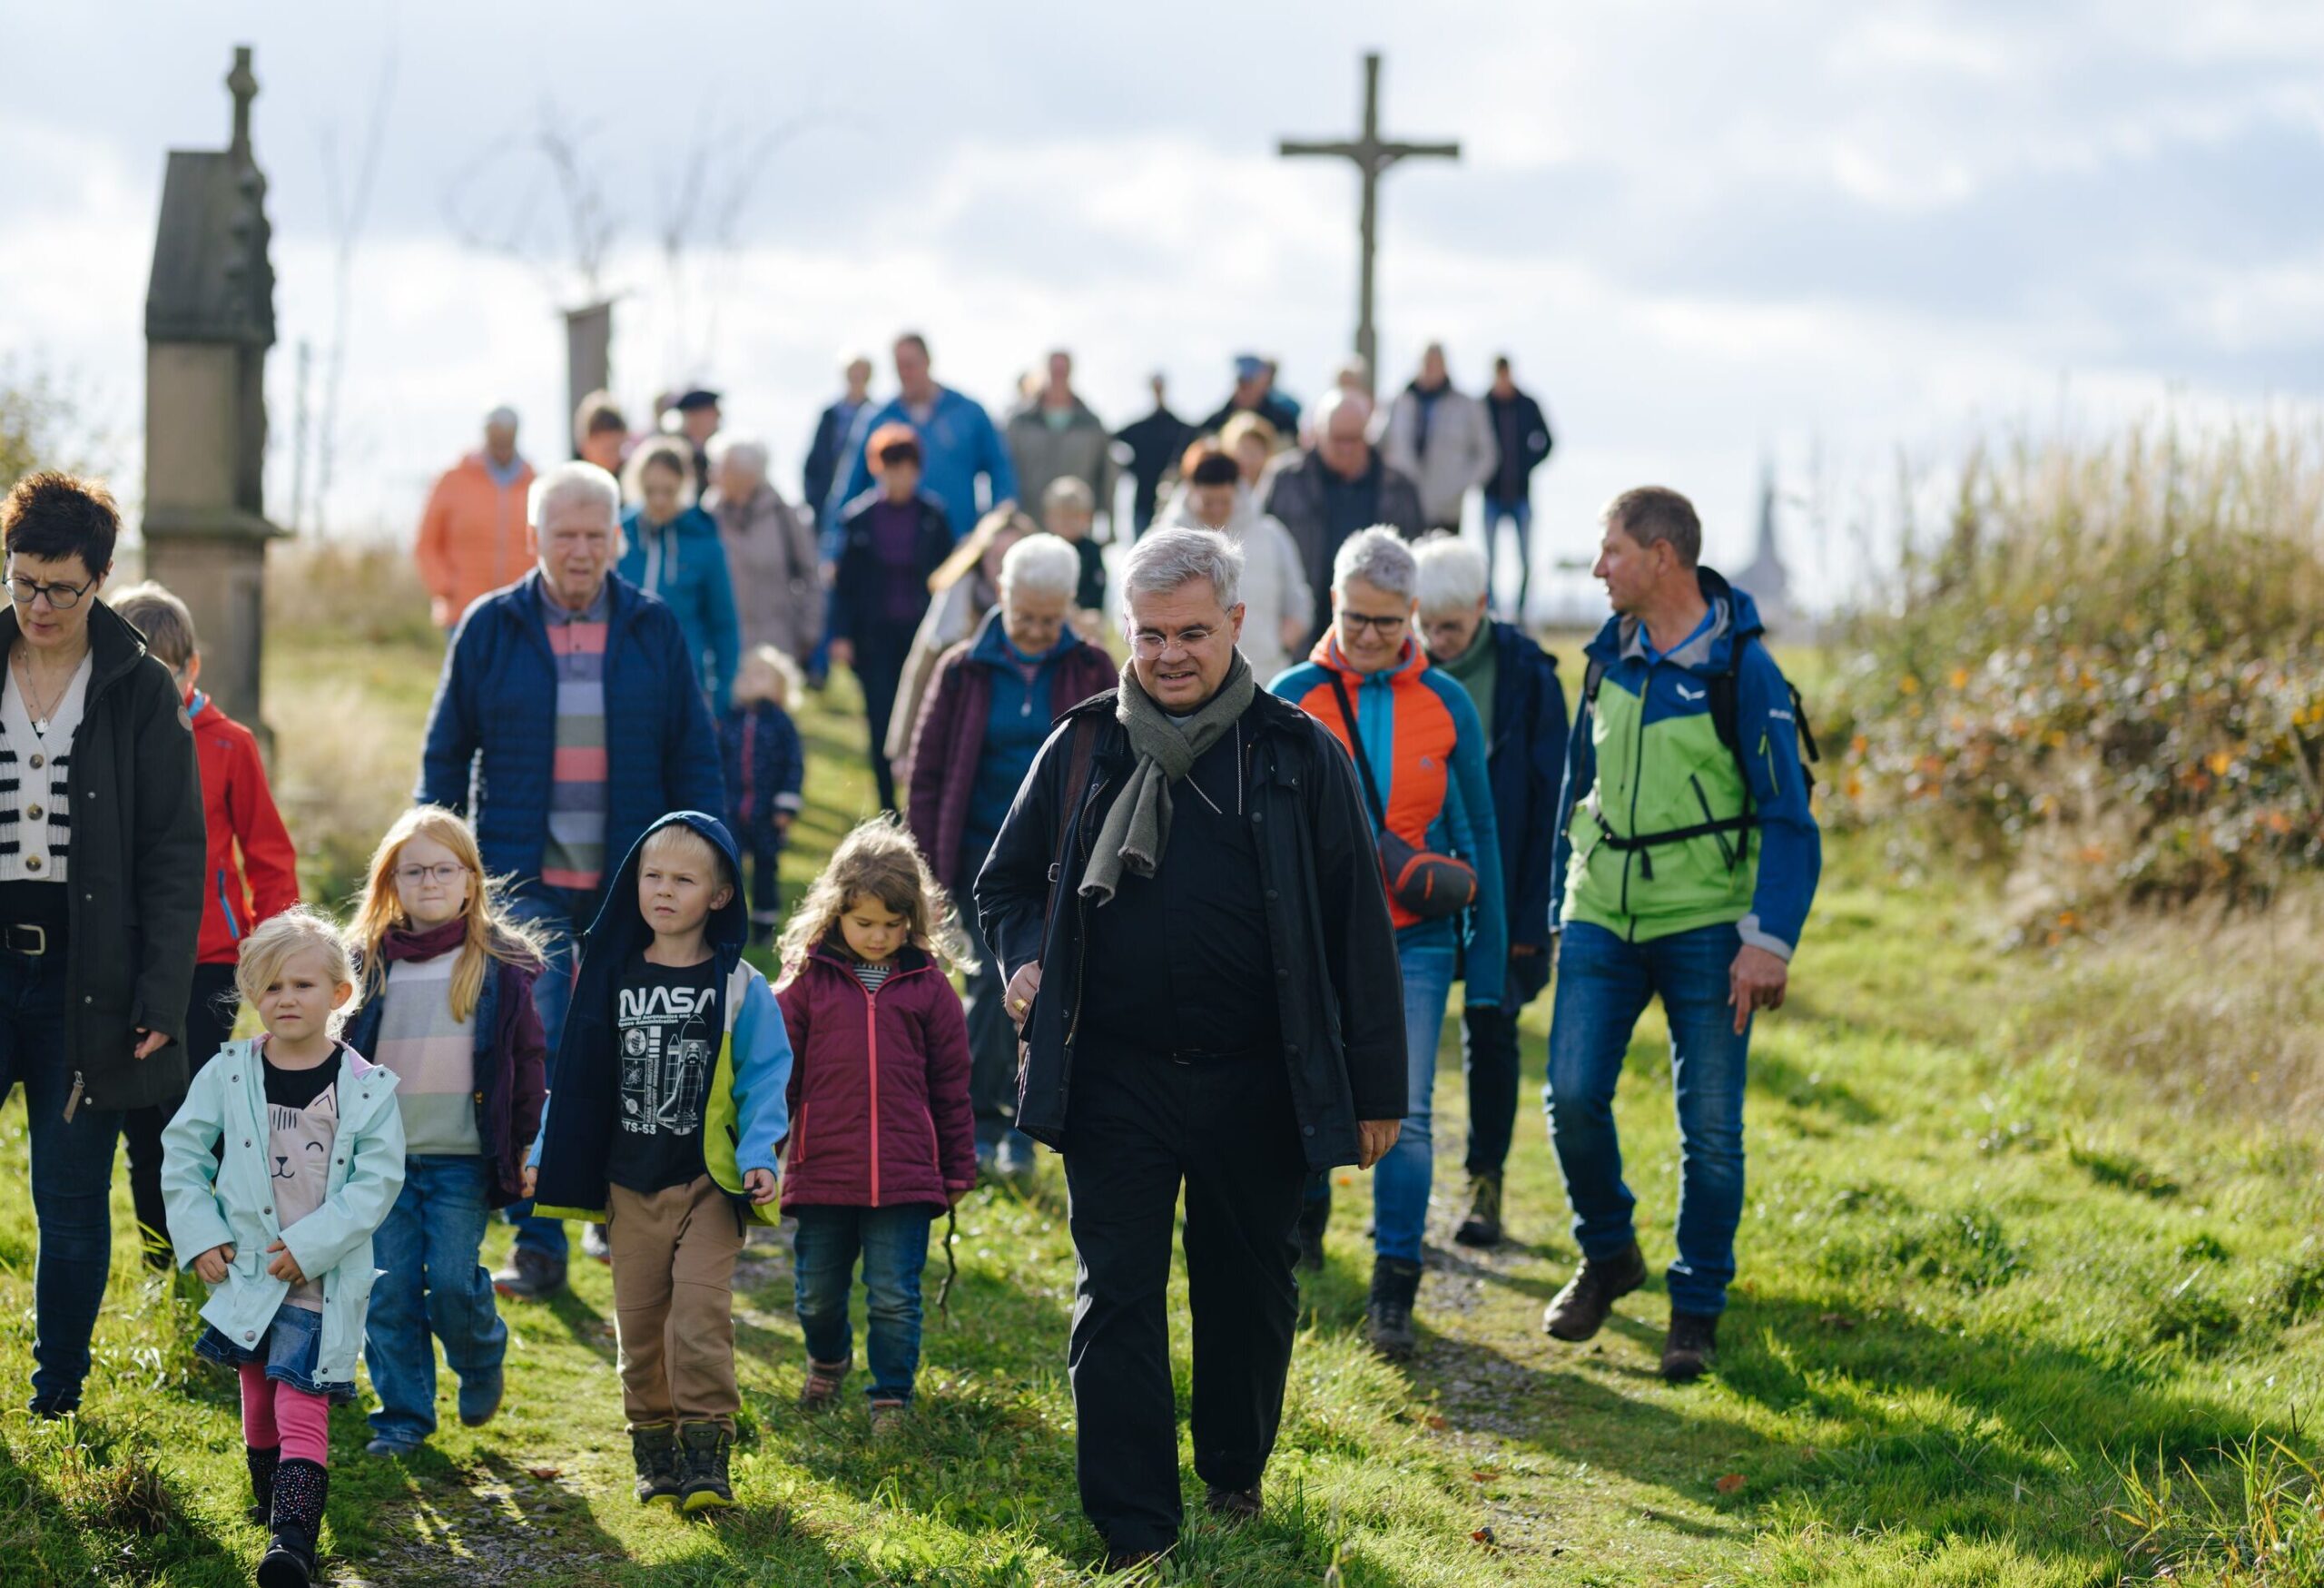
(1418, 733)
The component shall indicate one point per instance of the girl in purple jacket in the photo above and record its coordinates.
(882, 1140)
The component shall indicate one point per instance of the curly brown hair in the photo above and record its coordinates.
(879, 859)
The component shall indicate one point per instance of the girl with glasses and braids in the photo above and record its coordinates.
(447, 977)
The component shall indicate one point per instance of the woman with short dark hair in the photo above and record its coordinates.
(100, 855)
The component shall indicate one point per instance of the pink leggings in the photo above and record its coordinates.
(274, 1413)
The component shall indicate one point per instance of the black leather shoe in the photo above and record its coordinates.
(1578, 1311)
(1234, 1505)
(1388, 1320)
(1691, 1347)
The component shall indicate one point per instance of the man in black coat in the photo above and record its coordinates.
(1522, 431)
(1155, 443)
(1212, 997)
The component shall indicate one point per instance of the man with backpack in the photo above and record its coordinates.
(1687, 859)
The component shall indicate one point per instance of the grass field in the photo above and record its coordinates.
(2000, 1307)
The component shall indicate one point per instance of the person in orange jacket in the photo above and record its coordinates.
(473, 538)
(238, 809)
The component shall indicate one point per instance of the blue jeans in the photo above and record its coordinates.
(894, 1244)
(1400, 1182)
(562, 917)
(1518, 514)
(72, 1172)
(1603, 985)
(430, 1280)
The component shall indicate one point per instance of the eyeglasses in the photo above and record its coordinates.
(1357, 622)
(24, 592)
(1151, 646)
(443, 875)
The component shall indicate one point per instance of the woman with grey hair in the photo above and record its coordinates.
(1207, 987)
(1514, 684)
(986, 710)
(769, 550)
(1420, 750)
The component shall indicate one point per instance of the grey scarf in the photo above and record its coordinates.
(1138, 825)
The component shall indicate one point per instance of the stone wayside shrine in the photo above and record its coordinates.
(209, 321)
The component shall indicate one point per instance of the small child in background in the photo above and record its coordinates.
(1069, 509)
(665, 1118)
(447, 1005)
(765, 764)
(285, 1157)
(237, 893)
(880, 1088)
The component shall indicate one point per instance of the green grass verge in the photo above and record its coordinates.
(2002, 1319)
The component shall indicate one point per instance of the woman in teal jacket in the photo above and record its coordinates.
(672, 550)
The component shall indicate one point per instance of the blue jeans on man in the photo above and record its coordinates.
(72, 1175)
(893, 1242)
(562, 916)
(1603, 985)
(430, 1284)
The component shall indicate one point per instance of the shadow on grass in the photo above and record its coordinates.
(1774, 1074)
(107, 1511)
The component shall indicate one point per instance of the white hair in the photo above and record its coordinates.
(1040, 565)
(1164, 559)
(748, 451)
(579, 481)
(1067, 491)
(1452, 574)
(1328, 406)
(1379, 557)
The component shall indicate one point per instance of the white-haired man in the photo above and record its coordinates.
(544, 679)
(1337, 486)
(1211, 979)
(769, 550)
(1514, 684)
(472, 531)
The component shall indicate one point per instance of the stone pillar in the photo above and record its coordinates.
(209, 321)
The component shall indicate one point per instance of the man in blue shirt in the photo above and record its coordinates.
(957, 442)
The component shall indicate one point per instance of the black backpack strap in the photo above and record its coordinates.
(1362, 762)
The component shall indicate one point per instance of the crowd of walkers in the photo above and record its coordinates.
(1206, 831)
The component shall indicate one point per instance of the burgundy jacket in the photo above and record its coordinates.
(879, 1089)
(950, 737)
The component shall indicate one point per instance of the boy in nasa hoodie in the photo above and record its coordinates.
(665, 1119)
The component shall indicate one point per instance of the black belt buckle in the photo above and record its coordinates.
(29, 941)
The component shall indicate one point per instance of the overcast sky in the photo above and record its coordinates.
(1819, 231)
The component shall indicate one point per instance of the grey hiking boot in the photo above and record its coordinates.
(702, 1481)
(1388, 1319)
(1578, 1311)
(529, 1276)
(1691, 1347)
(1482, 1226)
(654, 1447)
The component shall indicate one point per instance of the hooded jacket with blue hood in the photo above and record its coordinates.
(1646, 758)
(745, 1118)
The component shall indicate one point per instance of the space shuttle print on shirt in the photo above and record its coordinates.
(666, 1030)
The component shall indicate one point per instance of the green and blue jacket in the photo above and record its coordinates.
(1646, 758)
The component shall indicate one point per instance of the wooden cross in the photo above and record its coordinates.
(1372, 156)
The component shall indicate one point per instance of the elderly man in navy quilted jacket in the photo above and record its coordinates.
(542, 677)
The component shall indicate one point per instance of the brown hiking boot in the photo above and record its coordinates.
(823, 1379)
(1482, 1226)
(1691, 1347)
(1578, 1311)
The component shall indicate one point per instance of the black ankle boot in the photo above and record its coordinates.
(263, 1465)
(1315, 1216)
(1389, 1317)
(703, 1452)
(301, 1488)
